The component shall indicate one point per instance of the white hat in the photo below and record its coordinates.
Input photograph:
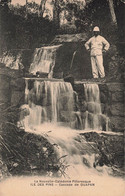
(96, 29)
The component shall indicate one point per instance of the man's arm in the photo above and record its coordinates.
(106, 44)
(87, 44)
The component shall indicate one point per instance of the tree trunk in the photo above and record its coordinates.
(56, 13)
(112, 11)
(42, 7)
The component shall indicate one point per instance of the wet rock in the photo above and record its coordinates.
(103, 122)
(103, 97)
(103, 88)
(30, 84)
(24, 111)
(65, 116)
(83, 106)
(103, 108)
(69, 78)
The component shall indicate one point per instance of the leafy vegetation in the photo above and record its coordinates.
(23, 153)
(32, 25)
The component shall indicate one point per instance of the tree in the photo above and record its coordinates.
(42, 7)
(4, 12)
(56, 13)
(112, 11)
(3, 2)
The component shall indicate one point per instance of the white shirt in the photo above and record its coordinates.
(96, 45)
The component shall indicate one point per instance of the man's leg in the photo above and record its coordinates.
(100, 67)
(94, 67)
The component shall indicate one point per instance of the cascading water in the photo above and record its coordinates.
(94, 114)
(72, 59)
(44, 60)
(51, 112)
(51, 109)
(50, 102)
(45, 101)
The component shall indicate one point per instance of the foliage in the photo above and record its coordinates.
(23, 153)
(3, 2)
(25, 26)
(24, 29)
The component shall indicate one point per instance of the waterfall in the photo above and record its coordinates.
(50, 112)
(51, 101)
(95, 120)
(44, 60)
(72, 59)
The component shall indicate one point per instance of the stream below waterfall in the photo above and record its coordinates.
(51, 112)
(79, 176)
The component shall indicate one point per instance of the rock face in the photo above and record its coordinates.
(109, 149)
(17, 91)
(70, 38)
(114, 103)
(72, 57)
(12, 88)
(5, 97)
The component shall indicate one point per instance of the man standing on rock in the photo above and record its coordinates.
(97, 45)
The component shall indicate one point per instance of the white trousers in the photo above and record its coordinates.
(97, 66)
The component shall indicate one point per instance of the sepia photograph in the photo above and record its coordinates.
(62, 97)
